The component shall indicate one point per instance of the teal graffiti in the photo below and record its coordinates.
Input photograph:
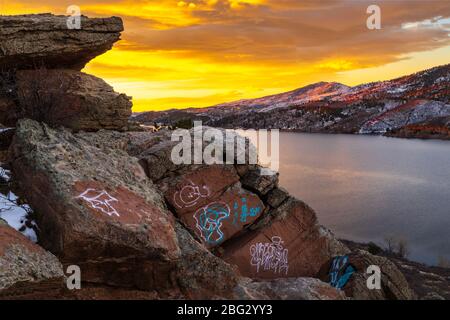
(340, 272)
(243, 211)
(209, 222)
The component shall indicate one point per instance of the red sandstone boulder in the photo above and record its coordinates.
(26, 268)
(205, 198)
(211, 203)
(71, 99)
(194, 189)
(96, 207)
(208, 199)
(286, 243)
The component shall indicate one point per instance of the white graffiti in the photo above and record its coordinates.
(100, 200)
(190, 194)
(271, 256)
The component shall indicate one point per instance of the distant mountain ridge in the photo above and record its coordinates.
(313, 92)
(375, 108)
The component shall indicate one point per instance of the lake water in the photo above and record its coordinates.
(365, 188)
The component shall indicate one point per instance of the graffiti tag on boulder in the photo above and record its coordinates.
(100, 200)
(243, 211)
(271, 256)
(209, 222)
(340, 272)
(190, 194)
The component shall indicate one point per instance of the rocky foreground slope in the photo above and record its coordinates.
(415, 106)
(97, 208)
(109, 200)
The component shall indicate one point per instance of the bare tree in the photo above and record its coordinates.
(390, 244)
(41, 93)
(397, 246)
(402, 248)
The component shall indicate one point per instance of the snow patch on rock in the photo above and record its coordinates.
(5, 174)
(16, 215)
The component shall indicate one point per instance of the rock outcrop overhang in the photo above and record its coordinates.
(111, 201)
(32, 41)
(40, 78)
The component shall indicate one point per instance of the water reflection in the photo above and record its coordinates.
(366, 188)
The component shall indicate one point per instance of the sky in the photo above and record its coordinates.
(198, 53)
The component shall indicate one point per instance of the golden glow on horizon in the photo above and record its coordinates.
(197, 53)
